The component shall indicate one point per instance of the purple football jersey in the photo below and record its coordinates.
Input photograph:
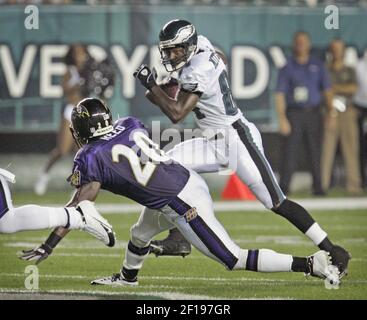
(115, 161)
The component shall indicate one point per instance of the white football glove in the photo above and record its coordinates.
(37, 254)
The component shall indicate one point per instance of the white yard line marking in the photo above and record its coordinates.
(66, 245)
(174, 295)
(178, 278)
(161, 294)
(310, 204)
(260, 239)
(334, 204)
(98, 255)
(258, 227)
(120, 256)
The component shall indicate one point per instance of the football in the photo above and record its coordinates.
(171, 88)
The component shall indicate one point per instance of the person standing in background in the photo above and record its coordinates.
(75, 60)
(85, 76)
(360, 101)
(341, 122)
(302, 84)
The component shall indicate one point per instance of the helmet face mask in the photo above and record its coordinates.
(174, 35)
(91, 118)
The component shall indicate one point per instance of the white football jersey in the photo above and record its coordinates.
(206, 74)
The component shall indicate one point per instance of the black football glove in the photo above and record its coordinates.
(146, 76)
(37, 254)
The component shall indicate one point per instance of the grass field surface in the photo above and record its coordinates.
(80, 258)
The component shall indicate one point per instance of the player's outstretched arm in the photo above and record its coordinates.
(85, 192)
(45, 249)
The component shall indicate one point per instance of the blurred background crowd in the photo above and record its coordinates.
(312, 114)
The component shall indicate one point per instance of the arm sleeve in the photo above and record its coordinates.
(194, 80)
(283, 81)
(325, 83)
(77, 173)
(205, 44)
(86, 169)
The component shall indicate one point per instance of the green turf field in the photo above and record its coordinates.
(80, 259)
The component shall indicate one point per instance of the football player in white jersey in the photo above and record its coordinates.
(204, 89)
(33, 217)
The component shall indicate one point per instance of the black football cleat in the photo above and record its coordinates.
(170, 247)
(340, 258)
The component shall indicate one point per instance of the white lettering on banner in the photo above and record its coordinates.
(98, 53)
(50, 69)
(278, 57)
(257, 87)
(17, 75)
(128, 66)
(17, 83)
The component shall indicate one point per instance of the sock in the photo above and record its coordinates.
(265, 260)
(319, 237)
(271, 261)
(302, 220)
(129, 274)
(134, 257)
(326, 245)
(242, 260)
(295, 214)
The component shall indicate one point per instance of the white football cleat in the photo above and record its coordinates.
(40, 187)
(95, 224)
(321, 267)
(115, 280)
(7, 175)
(332, 281)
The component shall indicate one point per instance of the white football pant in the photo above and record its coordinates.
(239, 148)
(32, 217)
(192, 213)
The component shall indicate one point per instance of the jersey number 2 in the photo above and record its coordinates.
(142, 172)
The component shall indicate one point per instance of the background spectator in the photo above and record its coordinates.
(302, 82)
(84, 77)
(360, 101)
(341, 123)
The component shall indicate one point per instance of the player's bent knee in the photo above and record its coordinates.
(139, 242)
(262, 194)
(137, 238)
